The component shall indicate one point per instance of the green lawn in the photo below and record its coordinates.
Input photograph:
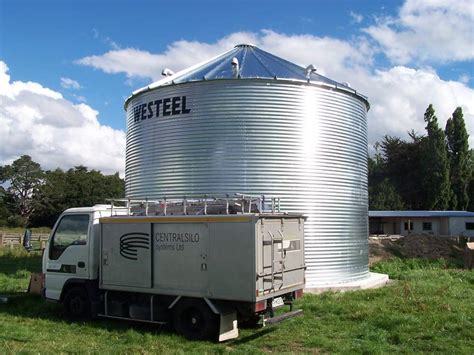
(429, 308)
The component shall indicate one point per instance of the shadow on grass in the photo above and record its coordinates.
(258, 334)
(34, 307)
(12, 261)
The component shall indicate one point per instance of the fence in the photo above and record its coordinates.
(7, 239)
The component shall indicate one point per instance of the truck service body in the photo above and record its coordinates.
(201, 273)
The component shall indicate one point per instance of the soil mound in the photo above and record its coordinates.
(415, 246)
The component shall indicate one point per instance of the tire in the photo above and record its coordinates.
(77, 305)
(193, 319)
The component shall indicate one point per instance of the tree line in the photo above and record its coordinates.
(425, 172)
(30, 196)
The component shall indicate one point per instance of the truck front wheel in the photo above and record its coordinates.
(77, 305)
(193, 319)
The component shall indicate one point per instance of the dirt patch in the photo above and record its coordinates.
(415, 246)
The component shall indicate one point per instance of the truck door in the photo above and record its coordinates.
(68, 254)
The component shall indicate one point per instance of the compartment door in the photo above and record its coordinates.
(181, 257)
(126, 255)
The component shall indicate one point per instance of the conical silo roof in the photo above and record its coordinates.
(253, 63)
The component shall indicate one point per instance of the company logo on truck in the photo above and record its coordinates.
(131, 242)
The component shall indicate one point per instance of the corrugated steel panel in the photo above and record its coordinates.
(306, 143)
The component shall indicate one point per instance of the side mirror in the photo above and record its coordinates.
(27, 240)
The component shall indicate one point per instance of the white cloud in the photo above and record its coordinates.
(55, 132)
(464, 78)
(398, 95)
(69, 83)
(356, 18)
(138, 63)
(436, 31)
(326, 52)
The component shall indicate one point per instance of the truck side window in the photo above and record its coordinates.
(72, 230)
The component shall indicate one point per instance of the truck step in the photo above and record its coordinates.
(284, 316)
(132, 319)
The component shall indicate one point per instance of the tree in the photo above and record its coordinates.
(401, 165)
(434, 165)
(460, 159)
(470, 189)
(76, 187)
(384, 197)
(22, 178)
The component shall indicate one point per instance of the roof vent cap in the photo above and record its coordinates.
(167, 72)
(244, 45)
(308, 70)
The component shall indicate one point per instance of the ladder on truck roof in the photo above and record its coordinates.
(204, 205)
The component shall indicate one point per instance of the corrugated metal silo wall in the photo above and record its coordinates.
(302, 142)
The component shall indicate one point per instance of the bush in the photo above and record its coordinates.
(16, 221)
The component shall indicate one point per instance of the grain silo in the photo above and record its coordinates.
(249, 122)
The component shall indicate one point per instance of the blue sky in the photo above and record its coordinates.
(95, 53)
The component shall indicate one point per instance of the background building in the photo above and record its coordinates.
(449, 223)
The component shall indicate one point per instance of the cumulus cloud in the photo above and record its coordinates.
(400, 95)
(180, 54)
(326, 52)
(69, 83)
(38, 121)
(436, 31)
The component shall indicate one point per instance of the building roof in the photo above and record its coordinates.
(420, 214)
(253, 63)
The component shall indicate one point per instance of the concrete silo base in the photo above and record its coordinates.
(375, 280)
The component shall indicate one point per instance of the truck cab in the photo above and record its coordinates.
(71, 256)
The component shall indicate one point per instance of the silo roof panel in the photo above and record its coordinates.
(253, 63)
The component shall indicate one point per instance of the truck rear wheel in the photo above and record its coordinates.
(193, 319)
(77, 305)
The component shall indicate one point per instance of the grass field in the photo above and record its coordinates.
(429, 308)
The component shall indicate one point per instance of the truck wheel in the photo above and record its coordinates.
(77, 304)
(194, 320)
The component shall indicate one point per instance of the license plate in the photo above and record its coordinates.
(277, 302)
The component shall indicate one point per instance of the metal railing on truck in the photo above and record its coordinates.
(205, 205)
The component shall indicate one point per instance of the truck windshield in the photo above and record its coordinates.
(72, 230)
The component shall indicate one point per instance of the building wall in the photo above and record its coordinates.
(418, 223)
(439, 225)
(458, 226)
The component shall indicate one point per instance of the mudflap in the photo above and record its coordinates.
(228, 328)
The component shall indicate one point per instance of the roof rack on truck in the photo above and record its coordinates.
(199, 205)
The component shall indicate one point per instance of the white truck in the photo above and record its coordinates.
(202, 265)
